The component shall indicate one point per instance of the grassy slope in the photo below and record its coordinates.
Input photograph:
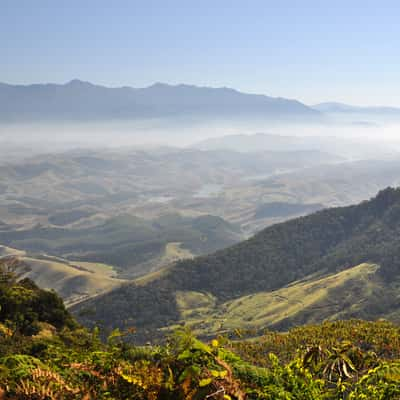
(74, 281)
(310, 300)
(9, 251)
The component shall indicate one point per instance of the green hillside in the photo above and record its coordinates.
(135, 246)
(342, 295)
(319, 245)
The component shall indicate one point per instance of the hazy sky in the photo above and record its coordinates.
(310, 50)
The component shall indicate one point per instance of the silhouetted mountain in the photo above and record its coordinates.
(78, 100)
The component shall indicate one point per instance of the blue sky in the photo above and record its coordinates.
(310, 50)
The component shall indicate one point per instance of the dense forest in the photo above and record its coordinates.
(46, 355)
(325, 242)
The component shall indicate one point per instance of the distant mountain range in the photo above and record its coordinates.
(84, 101)
(333, 107)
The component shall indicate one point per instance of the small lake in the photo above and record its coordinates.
(160, 199)
(209, 190)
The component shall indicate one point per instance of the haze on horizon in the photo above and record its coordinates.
(302, 50)
(46, 118)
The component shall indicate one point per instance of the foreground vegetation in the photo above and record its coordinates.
(45, 354)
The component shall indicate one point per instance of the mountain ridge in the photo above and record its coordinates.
(81, 100)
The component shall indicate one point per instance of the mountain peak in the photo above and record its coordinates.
(386, 198)
(159, 85)
(78, 83)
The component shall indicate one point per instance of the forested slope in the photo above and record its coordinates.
(323, 243)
